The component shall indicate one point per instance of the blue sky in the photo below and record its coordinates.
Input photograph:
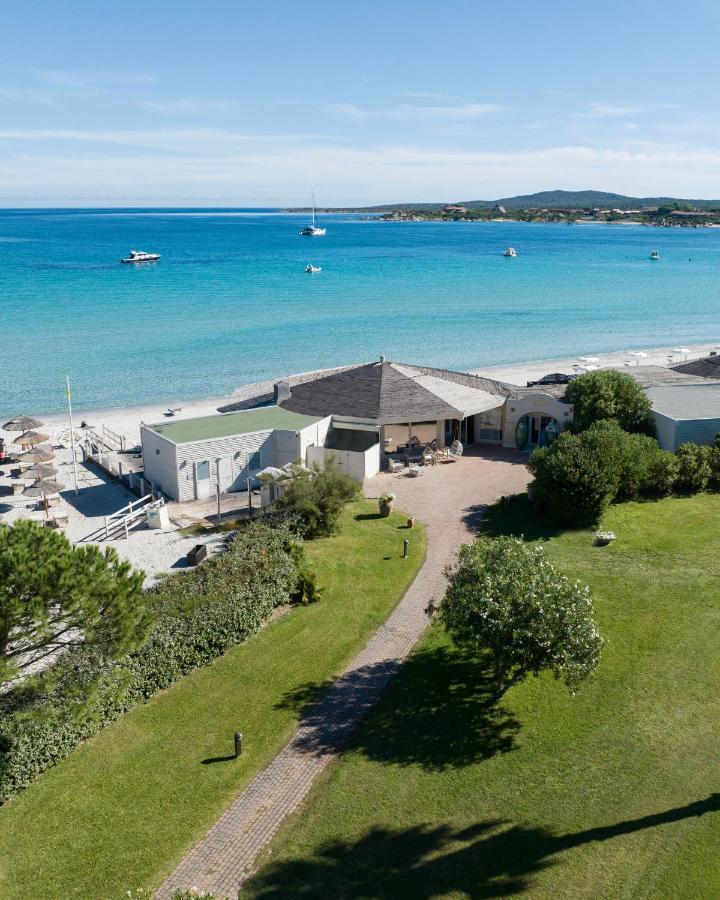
(222, 103)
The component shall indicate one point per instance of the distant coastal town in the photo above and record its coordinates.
(571, 207)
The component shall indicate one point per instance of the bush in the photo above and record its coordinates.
(609, 394)
(694, 470)
(505, 598)
(577, 476)
(663, 473)
(317, 497)
(199, 616)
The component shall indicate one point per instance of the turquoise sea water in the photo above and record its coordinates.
(229, 303)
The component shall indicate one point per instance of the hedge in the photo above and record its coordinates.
(198, 616)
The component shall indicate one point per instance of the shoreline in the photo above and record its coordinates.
(127, 420)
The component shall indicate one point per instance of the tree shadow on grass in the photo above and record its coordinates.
(517, 517)
(439, 713)
(489, 859)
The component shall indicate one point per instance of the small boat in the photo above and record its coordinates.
(312, 269)
(654, 255)
(312, 230)
(509, 251)
(138, 256)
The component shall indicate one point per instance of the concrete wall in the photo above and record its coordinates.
(533, 404)
(664, 431)
(697, 431)
(357, 465)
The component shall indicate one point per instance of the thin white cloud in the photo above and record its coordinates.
(612, 110)
(410, 111)
(26, 95)
(343, 174)
(91, 79)
(191, 106)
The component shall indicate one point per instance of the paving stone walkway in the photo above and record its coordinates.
(449, 500)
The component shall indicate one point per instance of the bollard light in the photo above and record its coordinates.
(406, 544)
(238, 743)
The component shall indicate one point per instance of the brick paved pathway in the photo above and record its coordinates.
(449, 500)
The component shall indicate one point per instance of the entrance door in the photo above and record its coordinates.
(202, 479)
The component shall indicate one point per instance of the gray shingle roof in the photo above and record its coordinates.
(385, 391)
(707, 367)
(687, 401)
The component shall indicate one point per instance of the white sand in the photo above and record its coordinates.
(521, 373)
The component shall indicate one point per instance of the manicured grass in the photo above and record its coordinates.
(121, 811)
(610, 793)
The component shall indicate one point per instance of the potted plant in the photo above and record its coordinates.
(385, 503)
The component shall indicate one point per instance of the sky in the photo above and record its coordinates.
(249, 104)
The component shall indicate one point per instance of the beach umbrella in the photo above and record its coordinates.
(43, 488)
(21, 423)
(39, 470)
(41, 453)
(589, 359)
(684, 350)
(30, 438)
(639, 354)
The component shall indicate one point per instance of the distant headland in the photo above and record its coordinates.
(556, 206)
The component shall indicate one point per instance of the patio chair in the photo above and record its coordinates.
(456, 449)
(395, 465)
(415, 471)
(429, 457)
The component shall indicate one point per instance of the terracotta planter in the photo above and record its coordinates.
(385, 508)
(411, 522)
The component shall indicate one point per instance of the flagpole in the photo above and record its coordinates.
(72, 432)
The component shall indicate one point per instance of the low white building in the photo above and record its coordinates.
(187, 458)
(685, 413)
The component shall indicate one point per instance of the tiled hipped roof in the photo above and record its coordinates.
(385, 391)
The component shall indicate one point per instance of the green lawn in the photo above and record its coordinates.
(120, 812)
(610, 793)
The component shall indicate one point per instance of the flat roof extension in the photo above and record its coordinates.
(267, 418)
(686, 401)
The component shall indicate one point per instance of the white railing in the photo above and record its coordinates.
(127, 517)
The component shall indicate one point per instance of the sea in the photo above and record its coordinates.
(229, 303)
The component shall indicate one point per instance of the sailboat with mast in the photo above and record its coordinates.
(312, 230)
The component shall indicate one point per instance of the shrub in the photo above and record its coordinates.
(198, 616)
(577, 476)
(609, 394)
(693, 467)
(663, 473)
(317, 497)
(505, 598)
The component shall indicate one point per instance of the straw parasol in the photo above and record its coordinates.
(30, 438)
(43, 488)
(41, 453)
(39, 470)
(21, 423)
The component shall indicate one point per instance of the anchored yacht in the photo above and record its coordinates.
(509, 251)
(310, 269)
(312, 230)
(138, 256)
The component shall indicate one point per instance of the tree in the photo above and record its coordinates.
(318, 496)
(54, 596)
(506, 599)
(609, 394)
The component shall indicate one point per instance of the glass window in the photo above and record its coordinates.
(255, 461)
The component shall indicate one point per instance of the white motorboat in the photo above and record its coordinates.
(138, 256)
(312, 230)
(509, 251)
(654, 255)
(310, 269)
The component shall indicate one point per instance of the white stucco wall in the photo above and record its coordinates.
(664, 430)
(534, 404)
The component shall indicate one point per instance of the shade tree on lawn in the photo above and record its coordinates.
(506, 600)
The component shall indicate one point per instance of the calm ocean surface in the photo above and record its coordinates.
(229, 303)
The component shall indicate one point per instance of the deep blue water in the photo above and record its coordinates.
(229, 303)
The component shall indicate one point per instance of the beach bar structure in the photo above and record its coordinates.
(187, 459)
(400, 402)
